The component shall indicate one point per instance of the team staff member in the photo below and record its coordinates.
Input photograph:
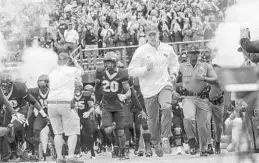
(63, 119)
(195, 78)
(156, 65)
(216, 97)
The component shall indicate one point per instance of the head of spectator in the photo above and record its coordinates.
(141, 29)
(152, 35)
(63, 59)
(106, 25)
(70, 26)
(61, 20)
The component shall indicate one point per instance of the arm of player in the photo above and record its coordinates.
(91, 110)
(127, 95)
(6, 103)
(97, 91)
(97, 87)
(91, 106)
(212, 77)
(30, 99)
(29, 113)
(135, 100)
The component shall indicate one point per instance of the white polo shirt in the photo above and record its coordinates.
(165, 61)
(62, 83)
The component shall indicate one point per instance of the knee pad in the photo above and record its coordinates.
(146, 137)
(120, 133)
(178, 136)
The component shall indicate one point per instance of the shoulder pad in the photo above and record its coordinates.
(100, 70)
(20, 86)
(33, 90)
(124, 71)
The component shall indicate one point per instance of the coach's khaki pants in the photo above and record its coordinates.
(162, 101)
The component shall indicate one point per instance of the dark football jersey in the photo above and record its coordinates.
(81, 104)
(112, 85)
(40, 97)
(17, 96)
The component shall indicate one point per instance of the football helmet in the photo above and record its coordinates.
(110, 61)
(88, 90)
(43, 83)
(78, 88)
(6, 83)
(205, 56)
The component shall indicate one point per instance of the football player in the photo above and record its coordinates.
(113, 81)
(177, 122)
(84, 104)
(18, 96)
(19, 117)
(37, 121)
(144, 140)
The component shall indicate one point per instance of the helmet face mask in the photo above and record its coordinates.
(6, 84)
(78, 88)
(43, 83)
(206, 57)
(88, 90)
(43, 86)
(110, 65)
(6, 87)
(110, 61)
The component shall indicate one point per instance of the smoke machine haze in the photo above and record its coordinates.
(36, 61)
(242, 14)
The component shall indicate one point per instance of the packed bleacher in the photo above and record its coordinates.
(109, 23)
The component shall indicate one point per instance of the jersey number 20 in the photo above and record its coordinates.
(112, 86)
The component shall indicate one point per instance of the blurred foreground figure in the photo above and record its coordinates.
(63, 119)
(246, 44)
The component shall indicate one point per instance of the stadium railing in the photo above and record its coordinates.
(91, 57)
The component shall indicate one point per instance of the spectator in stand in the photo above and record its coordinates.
(62, 26)
(121, 37)
(141, 35)
(89, 36)
(133, 14)
(71, 38)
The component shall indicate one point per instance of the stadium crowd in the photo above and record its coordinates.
(120, 23)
